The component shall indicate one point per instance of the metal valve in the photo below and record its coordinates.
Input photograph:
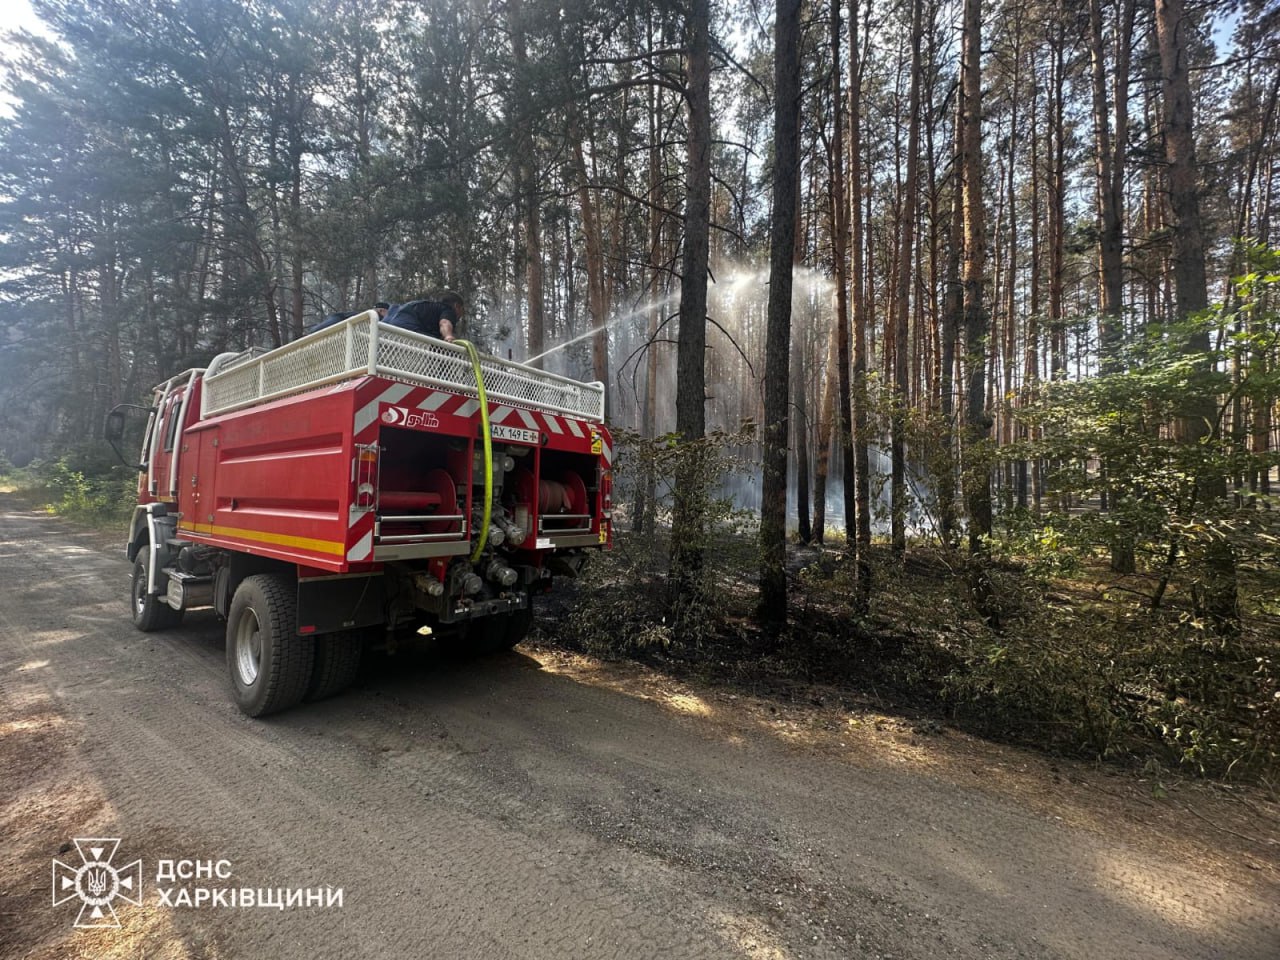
(501, 574)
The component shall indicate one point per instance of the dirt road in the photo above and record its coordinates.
(531, 806)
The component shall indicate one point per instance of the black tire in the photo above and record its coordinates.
(337, 661)
(149, 612)
(268, 663)
(500, 632)
(518, 626)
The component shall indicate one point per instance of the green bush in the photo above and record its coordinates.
(86, 489)
(637, 599)
(1108, 677)
(1150, 660)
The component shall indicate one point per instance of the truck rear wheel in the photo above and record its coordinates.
(149, 612)
(269, 664)
(518, 626)
(498, 633)
(337, 660)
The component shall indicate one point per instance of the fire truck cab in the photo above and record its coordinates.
(355, 485)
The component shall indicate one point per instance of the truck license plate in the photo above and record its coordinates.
(513, 434)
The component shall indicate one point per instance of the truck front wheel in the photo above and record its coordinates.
(269, 664)
(150, 612)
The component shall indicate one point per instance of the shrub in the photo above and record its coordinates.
(637, 598)
(1112, 678)
(101, 498)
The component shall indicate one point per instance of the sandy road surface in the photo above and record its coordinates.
(506, 808)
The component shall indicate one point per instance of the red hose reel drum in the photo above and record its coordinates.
(435, 493)
(566, 495)
(440, 482)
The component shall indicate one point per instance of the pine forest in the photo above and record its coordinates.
(940, 338)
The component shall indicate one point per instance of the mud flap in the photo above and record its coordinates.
(330, 604)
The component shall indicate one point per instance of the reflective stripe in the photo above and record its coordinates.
(262, 536)
(362, 548)
(369, 412)
(435, 401)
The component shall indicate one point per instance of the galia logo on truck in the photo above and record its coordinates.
(362, 482)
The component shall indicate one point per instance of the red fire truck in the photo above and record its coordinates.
(356, 485)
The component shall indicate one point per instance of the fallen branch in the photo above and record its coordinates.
(1218, 826)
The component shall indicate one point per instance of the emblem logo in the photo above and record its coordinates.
(404, 417)
(96, 882)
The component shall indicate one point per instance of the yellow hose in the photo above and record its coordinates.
(474, 354)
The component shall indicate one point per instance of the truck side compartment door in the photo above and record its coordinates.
(197, 467)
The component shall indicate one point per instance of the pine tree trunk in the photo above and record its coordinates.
(1216, 595)
(646, 485)
(596, 291)
(527, 188)
(782, 242)
(952, 319)
(907, 215)
(1057, 208)
(687, 526)
(801, 428)
(978, 486)
(1109, 165)
(801, 431)
(826, 416)
(854, 396)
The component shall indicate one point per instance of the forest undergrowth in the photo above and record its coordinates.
(1080, 664)
(81, 486)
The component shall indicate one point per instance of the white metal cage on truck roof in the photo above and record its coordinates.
(361, 346)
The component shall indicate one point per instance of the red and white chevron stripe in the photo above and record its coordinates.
(403, 396)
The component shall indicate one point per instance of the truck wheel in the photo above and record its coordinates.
(499, 633)
(337, 661)
(149, 612)
(270, 665)
(518, 626)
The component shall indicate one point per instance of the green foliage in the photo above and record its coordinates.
(1047, 548)
(1081, 664)
(1148, 442)
(81, 486)
(1135, 460)
(1113, 680)
(637, 599)
(1051, 680)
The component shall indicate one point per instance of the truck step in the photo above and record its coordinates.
(187, 590)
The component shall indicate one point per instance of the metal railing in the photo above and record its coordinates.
(362, 346)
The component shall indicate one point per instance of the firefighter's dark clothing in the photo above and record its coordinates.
(422, 316)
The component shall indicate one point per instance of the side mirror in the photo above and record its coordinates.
(113, 429)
